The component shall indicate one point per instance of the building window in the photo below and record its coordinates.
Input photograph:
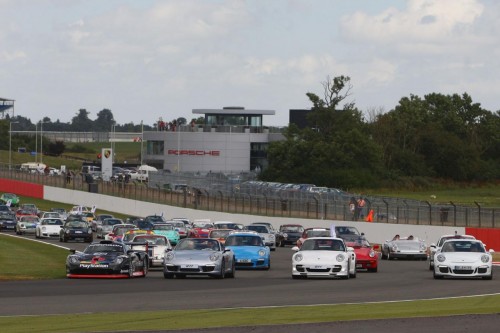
(258, 155)
(155, 147)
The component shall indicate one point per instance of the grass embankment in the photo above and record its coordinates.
(26, 260)
(194, 319)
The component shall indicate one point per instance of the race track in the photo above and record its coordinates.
(395, 280)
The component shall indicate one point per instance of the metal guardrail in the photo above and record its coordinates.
(218, 192)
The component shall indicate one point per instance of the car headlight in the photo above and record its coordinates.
(298, 257)
(441, 257)
(422, 247)
(43, 228)
(372, 254)
(74, 260)
(262, 253)
(340, 257)
(272, 237)
(67, 231)
(89, 231)
(214, 256)
(485, 258)
(169, 256)
(119, 260)
(394, 248)
(285, 235)
(21, 225)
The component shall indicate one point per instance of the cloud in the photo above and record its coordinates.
(430, 26)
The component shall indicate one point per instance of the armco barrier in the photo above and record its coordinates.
(489, 236)
(21, 188)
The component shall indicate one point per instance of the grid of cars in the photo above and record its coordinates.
(219, 248)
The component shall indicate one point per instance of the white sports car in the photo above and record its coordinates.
(433, 248)
(324, 257)
(49, 227)
(463, 258)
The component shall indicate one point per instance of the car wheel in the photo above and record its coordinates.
(353, 275)
(37, 235)
(131, 270)
(384, 257)
(437, 277)
(65, 240)
(373, 270)
(168, 275)
(233, 271)
(222, 270)
(268, 266)
(282, 243)
(389, 256)
(431, 266)
(489, 277)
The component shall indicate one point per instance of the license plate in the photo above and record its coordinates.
(244, 260)
(359, 266)
(9, 227)
(78, 232)
(463, 268)
(318, 267)
(189, 266)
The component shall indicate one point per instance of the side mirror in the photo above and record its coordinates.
(350, 249)
(295, 248)
(432, 245)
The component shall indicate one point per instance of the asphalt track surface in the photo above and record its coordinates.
(396, 280)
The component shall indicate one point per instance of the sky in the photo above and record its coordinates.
(146, 59)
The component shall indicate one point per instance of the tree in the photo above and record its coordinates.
(81, 122)
(104, 121)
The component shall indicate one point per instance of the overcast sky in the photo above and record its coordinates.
(147, 59)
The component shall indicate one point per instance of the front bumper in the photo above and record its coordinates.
(320, 270)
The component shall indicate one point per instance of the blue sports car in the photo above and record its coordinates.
(249, 250)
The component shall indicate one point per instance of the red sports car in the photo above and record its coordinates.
(366, 255)
(200, 230)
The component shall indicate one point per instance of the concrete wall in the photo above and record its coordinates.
(375, 232)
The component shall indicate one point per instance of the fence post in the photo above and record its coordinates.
(479, 212)
(454, 213)
(430, 212)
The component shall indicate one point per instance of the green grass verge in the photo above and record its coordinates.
(194, 319)
(39, 261)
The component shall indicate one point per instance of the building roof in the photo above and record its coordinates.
(234, 111)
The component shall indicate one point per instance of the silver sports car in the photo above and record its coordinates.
(199, 256)
(404, 248)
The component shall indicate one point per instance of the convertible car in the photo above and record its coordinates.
(249, 250)
(366, 256)
(324, 257)
(199, 256)
(463, 258)
(168, 231)
(107, 259)
(404, 248)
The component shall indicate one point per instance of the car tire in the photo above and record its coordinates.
(268, 266)
(168, 275)
(37, 235)
(384, 257)
(437, 277)
(431, 267)
(353, 275)
(489, 277)
(222, 273)
(233, 271)
(373, 270)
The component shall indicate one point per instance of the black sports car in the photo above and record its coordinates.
(7, 221)
(107, 259)
(76, 230)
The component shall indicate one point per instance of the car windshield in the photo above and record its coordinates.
(178, 225)
(152, 240)
(346, 231)
(29, 219)
(104, 248)
(197, 244)
(233, 226)
(77, 224)
(52, 222)
(203, 225)
(464, 246)
(163, 227)
(292, 229)
(318, 233)
(243, 240)
(359, 242)
(219, 233)
(323, 245)
(258, 228)
(51, 215)
(112, 222)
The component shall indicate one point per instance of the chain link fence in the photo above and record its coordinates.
(242, 193)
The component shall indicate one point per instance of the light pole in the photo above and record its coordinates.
(10, 142)
(41, 140)
(142, 137)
